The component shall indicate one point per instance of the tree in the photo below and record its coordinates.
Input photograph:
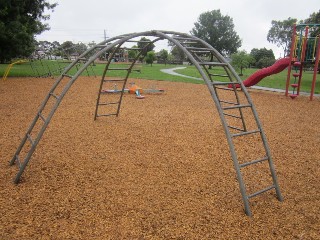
(68, 48)
(151, 56)
(262, 53)
(314, 18)
(56, 49)
(146, 45)
(80, 48)
(45, 46)
(265, 62)
(163, 54)
(217, 30)
(177, 53)
(20, 21)
(241, 60)
(132, 54)
(280, 34)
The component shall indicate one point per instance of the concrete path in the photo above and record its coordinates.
(172, 72)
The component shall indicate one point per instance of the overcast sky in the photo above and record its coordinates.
(86, 20)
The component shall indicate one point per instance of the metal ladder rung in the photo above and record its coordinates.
(217, 75)
(235, 128)
(213, 63)
(227, 102)
(54, 95)
(222, 88)
(110, 103)
(224, 83)
(199, 49)
(137, 41)
(253, 162)
(189, 42)
(67, 75)
(106, 115)
(184, 38)
(114, 80)
(30, 139)
(244, 133)
(100, 46)
(199, 52)
(42, 117)
(261, 191)
(126, 48)
(231, 115)
(238, 106)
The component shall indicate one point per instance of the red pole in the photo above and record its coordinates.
(315, 69)
(291, 56)
(303, 55)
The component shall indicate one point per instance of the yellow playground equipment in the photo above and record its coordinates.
(6, 72)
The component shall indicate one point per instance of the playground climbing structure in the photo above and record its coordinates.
(305, 49)
(237, 112)
(7, 71)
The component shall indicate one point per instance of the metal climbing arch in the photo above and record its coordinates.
(234, 106)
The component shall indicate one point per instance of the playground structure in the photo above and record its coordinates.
(7, 71)
(305, 49)
(234, 111)
(41, 68)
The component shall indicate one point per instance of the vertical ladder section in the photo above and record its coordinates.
(39, 124)
(43, 117)
(247, 141)
(110, 96)
(297, 66)
(112, 85)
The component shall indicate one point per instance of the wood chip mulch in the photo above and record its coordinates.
(161, 170)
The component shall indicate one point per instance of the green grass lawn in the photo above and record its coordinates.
(37, 68)
(277, 81)
(41, 68)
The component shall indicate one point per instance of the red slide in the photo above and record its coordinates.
(277, 67)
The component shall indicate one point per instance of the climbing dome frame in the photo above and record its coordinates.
(234, 106)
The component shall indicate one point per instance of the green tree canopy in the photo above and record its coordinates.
(143, 42)
(80, 48)
(265, 62)
(151, 56)
(314, 18)
(218, 31)
(132, 54)
(177, 53)
(20, 21)
(68, 48)
(280, 34)
(164, 55)
(241, 60)
(262, 53)
(56, 50)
